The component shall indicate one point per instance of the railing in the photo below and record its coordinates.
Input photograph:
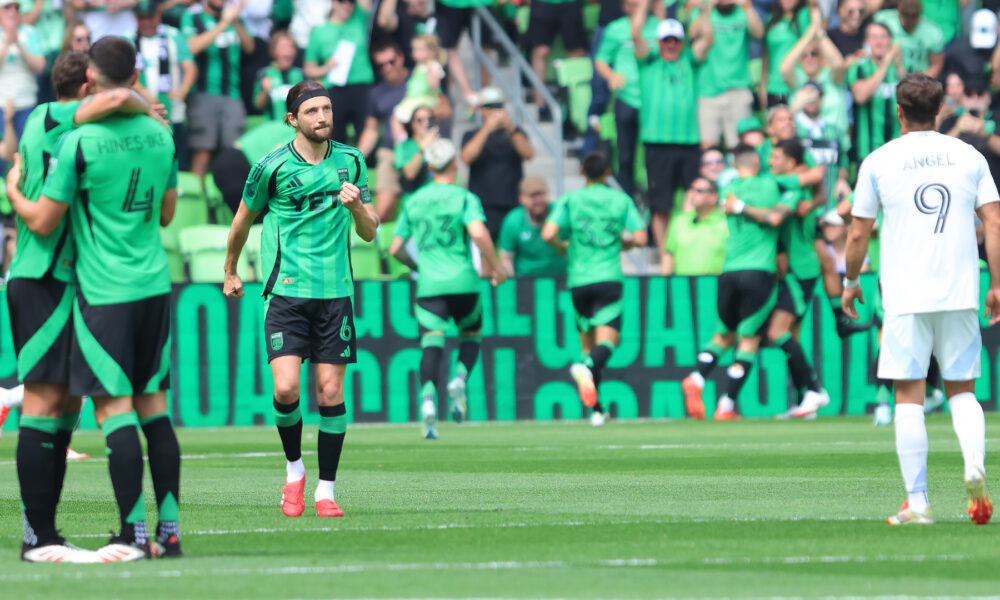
(553, 144)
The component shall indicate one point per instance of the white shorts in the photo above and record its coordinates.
(908, 341)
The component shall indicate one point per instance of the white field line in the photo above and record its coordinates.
(619, 563)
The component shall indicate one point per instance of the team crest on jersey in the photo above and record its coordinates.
(342, 174)
(288, 280)
(277, 341)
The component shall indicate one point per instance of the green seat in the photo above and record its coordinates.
(190, 186)
(175, 264)
(386, 232)
(365, 260)
(254, 121)
(259, 142)
(191, 211)
(212, 192)
(575, 75)
(252, 251)
(203, 247)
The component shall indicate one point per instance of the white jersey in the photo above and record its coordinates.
(928, 186)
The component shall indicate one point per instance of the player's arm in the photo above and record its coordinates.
(858, 235)
(100, 105)
(507, 258)
(772, 217)
(814, 176)
(550, 233)
(481, 236)
(40, 217)
(168, 207)
(989, 214)
(359, 201)
(232, 284)
(398, 250)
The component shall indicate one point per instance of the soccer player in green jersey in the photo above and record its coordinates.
(747, 291)
(596, 222)
(121, 314)
(314, 189)
(443, 217)
(40, 291)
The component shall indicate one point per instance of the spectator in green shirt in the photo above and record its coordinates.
(789, 20)
(696, 243)
(523, 252)
(921, 40)
(274, 81)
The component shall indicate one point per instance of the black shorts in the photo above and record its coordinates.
(598, 304)
(434, 312)
(670, 167)
(452, 21)
(120, 349)
(745, 301)
(41, 312)
(320, 329)
(795, 295)
(547, 19)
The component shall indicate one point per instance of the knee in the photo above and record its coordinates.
(540, 52)
(286, 390)
(330, 393)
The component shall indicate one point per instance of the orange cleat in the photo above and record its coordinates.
(292, 501)
(693, 403)
(74, 455)
(4, 413)
(727, 415)
(584, 384)
(980, 507)
(905, 516)
(328, 508)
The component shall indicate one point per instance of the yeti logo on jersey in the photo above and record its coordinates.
(277, 341)
(345, 330)
(342, 174)
(934, 198)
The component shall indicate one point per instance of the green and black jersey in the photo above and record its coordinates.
(37, 256)
(219, 64)
(797, 233)
(437, 216)
(113, 175)
(875, 121)
(668, 113)
(281, 82)
(751, 246)
(306, 241)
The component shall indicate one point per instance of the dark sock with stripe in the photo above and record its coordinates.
(36, 469)
(598, 377)
(736, 377)
(121, 434)
(802, 374)
(288, 418)
(165, 468)
(708, 358)
(64, 433)
(836, 303)
(468, 354)
(430, 367)
(332, 430)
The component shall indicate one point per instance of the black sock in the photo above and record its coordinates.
(736, 377)
(598, 377)
(36, 468)
(468, 354)
(838, 314)
(121, 435)
(288, 418)
(430, 368)
(165, 468)
(332, 430)
(707, 359)
(62, 443)
(598, 357)
(803, 375)
(934, 373)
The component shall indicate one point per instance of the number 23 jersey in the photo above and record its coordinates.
(928, 186)
(437, 217)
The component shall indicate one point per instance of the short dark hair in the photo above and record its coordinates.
(920, 97)
(69, 73)
(712, 186)
(297, 90)
(595, 166)
(386, 44)
(793, 149)
(742, 151)
(113, 57)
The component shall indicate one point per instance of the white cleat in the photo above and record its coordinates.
(933, 401)
(428, 412)
(456, 393)
(60, 552)
(122, 552)
(812, 402)
(883, 415)
(598, 419)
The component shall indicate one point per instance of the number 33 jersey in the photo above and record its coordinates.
(928, 186)
(306, 242)
(437, 217)
(113, 175)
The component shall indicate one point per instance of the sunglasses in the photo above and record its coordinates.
(386, 63)
(82, 38)
(702, 190)
(812, 54)
(854, 11)
(717, 161)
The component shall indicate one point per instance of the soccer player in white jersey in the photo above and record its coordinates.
(929, 188)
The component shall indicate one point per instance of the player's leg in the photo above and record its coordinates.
(599, 308)
(165, 469)
(432, 318)
(958, 347)
(884, 392)
(727, 306)
(833, 286)
(467, 312)
(794, 298)
(69, 416)
(332, 430)
(37, 464)
(934, 395)
(605, 340)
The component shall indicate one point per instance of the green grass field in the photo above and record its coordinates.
(532, 510)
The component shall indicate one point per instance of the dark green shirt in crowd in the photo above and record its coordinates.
(751, 246)
(281, 82)
(36, 254)
(669, 110)
(523, 238)
(618, 52)
(698, 245)
(324, 39)
(727, 65)
(219, 64)
(592, 219)
(113, 175)
(875, 121)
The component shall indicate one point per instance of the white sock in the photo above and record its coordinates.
(324, 491)
(911, 447)
(697, 379)
(294, 471)
(970, 427)
(14, 397)
(726, 403)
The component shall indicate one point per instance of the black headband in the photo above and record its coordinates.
(320, 93)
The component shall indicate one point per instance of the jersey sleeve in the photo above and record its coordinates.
(187, 25)
(403, 225)
(63, 178)
(935, 39)
(633, 220)
(32, 43)
(256, 192)
(473, 210)
(672, 242)
(987, 188)
(606, 50)
(559, 215)
(866, 200)
(361, 180)
(853, 75)
(172, 177)
(508, 233)
(183, 50)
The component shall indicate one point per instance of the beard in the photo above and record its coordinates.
(726, 9)
(317, 136)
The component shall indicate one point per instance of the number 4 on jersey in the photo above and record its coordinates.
(143, 204)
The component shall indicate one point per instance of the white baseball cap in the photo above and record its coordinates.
(671, 28)
(984, 29)
(440, 154)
